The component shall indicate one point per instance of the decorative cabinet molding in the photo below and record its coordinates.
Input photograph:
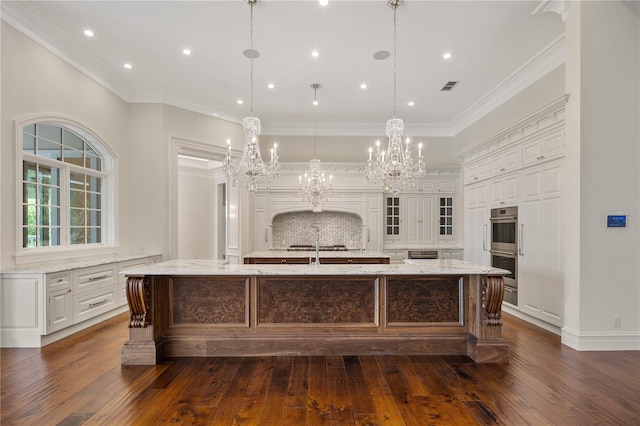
(525, 170)
(61, 299)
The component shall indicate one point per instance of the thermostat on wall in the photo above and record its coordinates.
(616, 221)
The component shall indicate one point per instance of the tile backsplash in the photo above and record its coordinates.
(303, 227)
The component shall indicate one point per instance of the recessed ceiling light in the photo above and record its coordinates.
(381, 54)
(363, 86)
(239, 102)
(271, 85)
(447, 55)
(186, 51)
(315, 102)
(410, 103)
(88, 33)
(315, 53)
(128, 66)
(323, 2)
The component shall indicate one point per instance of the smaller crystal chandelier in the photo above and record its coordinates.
(394, 168)
(314, 187)
(251, 170)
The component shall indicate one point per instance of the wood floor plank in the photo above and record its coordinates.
(318, 409)
(79, 380)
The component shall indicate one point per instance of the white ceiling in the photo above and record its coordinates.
(498, 48)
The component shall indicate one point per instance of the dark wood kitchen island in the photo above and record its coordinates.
(199, 308)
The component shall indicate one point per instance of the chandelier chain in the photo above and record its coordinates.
(395, 38)
(251, 59)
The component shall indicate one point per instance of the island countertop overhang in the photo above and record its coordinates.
(195, 267)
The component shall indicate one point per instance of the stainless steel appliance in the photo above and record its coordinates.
(423, 254)
(504, 225)
(504, 248)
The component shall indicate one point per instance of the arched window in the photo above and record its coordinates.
(65, 185)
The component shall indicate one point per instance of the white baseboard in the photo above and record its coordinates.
(21, 338)
(599, 341)
(528, 318)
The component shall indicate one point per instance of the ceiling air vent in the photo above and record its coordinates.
(450, 85)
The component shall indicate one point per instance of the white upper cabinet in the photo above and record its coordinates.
(505, 161)
(545, 147)
(504, 191)
(476, 171)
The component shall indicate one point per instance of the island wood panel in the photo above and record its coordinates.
(423, 301)
(277, 260)
(300, 315)
(303, 300)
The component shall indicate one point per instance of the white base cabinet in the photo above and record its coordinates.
(38, 303)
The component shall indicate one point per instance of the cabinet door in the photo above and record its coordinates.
(419, 223)
(394, 213)
(59, 310)
(260, 225)
(541, 262)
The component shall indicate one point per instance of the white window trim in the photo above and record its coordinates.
(109, 245)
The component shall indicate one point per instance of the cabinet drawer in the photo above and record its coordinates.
(58, 281)
(95, 277)
(95, 303)
(450, 254)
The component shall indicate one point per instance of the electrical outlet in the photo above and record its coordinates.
(616, 321)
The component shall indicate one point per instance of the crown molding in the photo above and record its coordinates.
(548, 59)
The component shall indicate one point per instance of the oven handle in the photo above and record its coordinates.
(504, 218)
(484, 237)
(503, 253)
(521, 240)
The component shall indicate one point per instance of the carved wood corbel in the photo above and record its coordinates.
(492, 295)
(138, 300)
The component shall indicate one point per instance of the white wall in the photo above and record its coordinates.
(544, 91)
(35, 82)
(603, 148)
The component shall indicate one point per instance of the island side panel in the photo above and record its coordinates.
(148, 300)
(485, 342)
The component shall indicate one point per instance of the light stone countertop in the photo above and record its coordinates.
(200, 267)
(312, 253)
(50, 267)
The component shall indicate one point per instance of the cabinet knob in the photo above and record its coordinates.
(502, 169)
(283, 261)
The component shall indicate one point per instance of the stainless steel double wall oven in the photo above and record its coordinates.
(504, 248)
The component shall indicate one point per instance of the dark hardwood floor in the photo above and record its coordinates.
(79, 380)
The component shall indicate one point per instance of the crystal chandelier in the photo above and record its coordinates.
(394, 168)
(314, 187)
(251, 170)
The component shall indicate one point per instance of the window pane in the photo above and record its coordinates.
(48, 175)
(449, 202)
(93, 201)
(92, 162)
(94, 184)
(77, 181)
(28, 171)
(29, 144)
(76, 199)
(449, 231)
(73, 141)
(49, 149)
(29, 238)
(29, 193)
(94, 218)
(94, 235)
(49, 195)
(73, 156)
(77, 236)
(442, 201)
(442, 211)
(53, 133)
(77, 217)
(31, 129)
(29, 215)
